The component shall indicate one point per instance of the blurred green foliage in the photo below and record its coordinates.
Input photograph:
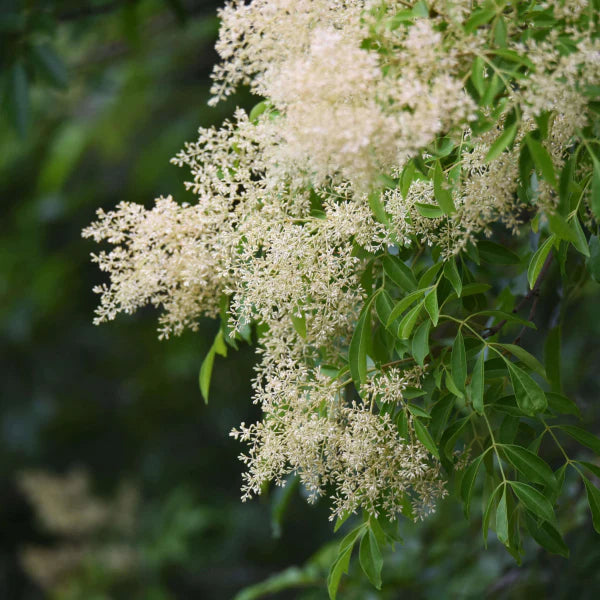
(96, 97)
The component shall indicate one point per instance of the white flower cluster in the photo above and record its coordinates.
(66, 507)
(283, 226)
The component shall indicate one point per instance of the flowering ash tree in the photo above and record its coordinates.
(350, 227)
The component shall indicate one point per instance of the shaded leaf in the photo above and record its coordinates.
(408, 322)
(431, 306)
(477, 384)
(502, 520)
(441, 191)
(542, 160)
(583, 437)
(533, 500)
(370, 558)
(458, 361)
(399, 273)
(357, 353)
(504, 141)
(205, 376)
(593, 496)
(538, 260)
(452, 275)
(525, 357)
(339, 567)
(420, 343)
(425, 437)
(403, 304)
(496, 254)
(546, 536)
(468, 482)
(530, 396)
(595, 196)
(531, 466)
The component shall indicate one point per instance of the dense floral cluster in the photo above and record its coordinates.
(295, 200)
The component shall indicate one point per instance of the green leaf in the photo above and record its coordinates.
(562, 405)
(561, 229)
(431, 306)
(531, 466)
(496, 254)
(451, 435)
(471, 289)
(542, 160)
(341, 520)
(595, 197)
(357, 353)
(487, 513)
(546, 536)
(420, 343)
(408, 175)
(417, 411)
(514, 57)
(500, 33)
(530, 396)
(350, 538)
(458, 361)
(408, 322)
(538, 260)
(299, 324)
(580, 242)
(50, 65)
(420, 10)
(377, 207)
(452, 275)
(452, 388)
(468, 482)
(593, 495)
(477, 384)
(258, 109)
(370, 558)
(477, 75)
(403, 304)
(218, 347)
(281, 502)
(502, 520)
(525, 357)
(593, 263)
(594, 469)
(504, 141)
(427, 278)
(425, 437)
(441, 191)
(339, 567)
(533, 500)
(399, 273)
(583, 437)
(478, 18)
(18, 97)
(430, 211)
(510, 317)
(552, 358)
(384, 306)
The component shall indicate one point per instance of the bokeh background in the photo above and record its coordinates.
(116, 480)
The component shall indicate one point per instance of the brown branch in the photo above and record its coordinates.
(534, 293)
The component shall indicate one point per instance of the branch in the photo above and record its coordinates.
(534, 293)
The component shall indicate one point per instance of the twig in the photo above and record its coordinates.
(534, 293)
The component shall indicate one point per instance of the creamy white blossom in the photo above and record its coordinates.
(296, 204)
